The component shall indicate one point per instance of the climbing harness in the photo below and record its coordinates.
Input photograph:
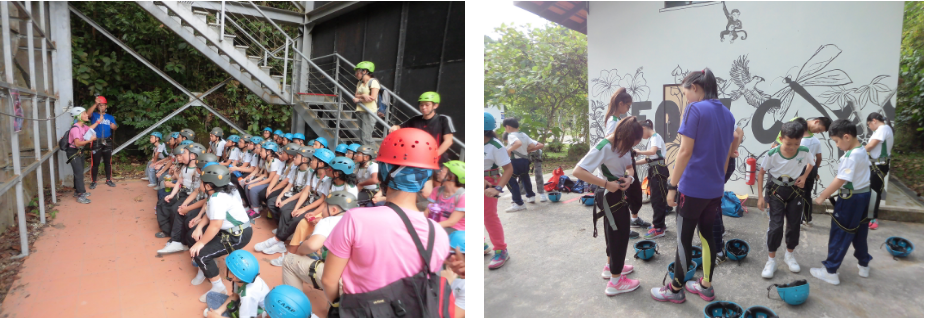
(601, 203)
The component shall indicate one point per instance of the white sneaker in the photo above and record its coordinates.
(863, 271)
(155, 187)
(516, 207)
(821, 273)
(151, 185)
(530, 199)
(172, 247)
(543, 197)
(144, 178)
(770, 269)
(274, 231)
(790, 261)
(264, 245)
(279, 261)
(275, 249)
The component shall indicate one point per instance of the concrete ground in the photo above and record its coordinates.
(555, 268)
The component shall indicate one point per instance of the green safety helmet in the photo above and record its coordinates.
(457, 168)
(216, 174)
(430, 96)
(291, 149)
(365, 65)
(343, 199)
(216, 132)
(205, 158)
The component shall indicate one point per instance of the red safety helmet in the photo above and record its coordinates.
(102, 99)
(409, 147)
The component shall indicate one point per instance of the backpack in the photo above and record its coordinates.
(565, 184)
(579, 187)
(550, 186)
(424, 295)
(731, 206)
(381, 105)
(63, 143)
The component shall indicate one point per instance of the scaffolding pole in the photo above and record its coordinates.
(46, 74)
(8, 66)
(37, 145)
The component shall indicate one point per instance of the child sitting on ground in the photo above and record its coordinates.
(247, 300)
(367, 180)
(850, 210)
(158, 154)
(787, 167)
(299, 267)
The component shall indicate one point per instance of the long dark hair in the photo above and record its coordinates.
(490, 134)
(627, 132)
(877, 116)
(620, 95)
(350, 179)
(705, 79)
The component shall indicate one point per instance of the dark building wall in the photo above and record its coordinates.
(372, 33)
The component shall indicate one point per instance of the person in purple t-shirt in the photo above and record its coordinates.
(707, 145)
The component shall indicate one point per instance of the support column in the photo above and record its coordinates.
(60, 18)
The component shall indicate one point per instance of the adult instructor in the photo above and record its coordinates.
(103, 148)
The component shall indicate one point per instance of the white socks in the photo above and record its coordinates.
(200, 277)
(772, 259)
(614, 280)
(218, 286)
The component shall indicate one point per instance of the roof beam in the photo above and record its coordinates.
(331, 10)
(277, 15)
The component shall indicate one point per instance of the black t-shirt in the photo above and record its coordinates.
(437, 127)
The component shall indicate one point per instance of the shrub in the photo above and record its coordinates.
(577, 151)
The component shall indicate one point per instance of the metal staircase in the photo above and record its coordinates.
(266, 59)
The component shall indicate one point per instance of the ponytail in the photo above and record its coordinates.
(877, 116)
(705, 79)
(620, 95)
(627, 133)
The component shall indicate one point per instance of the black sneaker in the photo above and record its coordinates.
(639, 223)
(77, 195)
(93, 185)
(634, 235)
(110, 183)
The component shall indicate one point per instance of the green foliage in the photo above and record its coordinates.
(910, 112)
(139, 97)
(577, 150)
(555, 147)
(539, 76)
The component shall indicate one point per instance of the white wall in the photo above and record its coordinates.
(861, 41)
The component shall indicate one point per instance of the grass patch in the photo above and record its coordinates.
(909, 169)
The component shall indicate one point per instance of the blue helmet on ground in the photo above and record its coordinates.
(157, 134)
(272, 146)
(489, 122)
(898, 246)
(554, 196)
(256, 140)
(323, 141)
(341, 148)
(288, 136)
(759, 312)
(243, 265)
(697, 256)
(175, 134)
(794, 293)
(645, 249)
(233, 138)
(458, 240)
(588, 200)
(736, 249)
(324, 155)
(186, 143)
(353, 147)
(286, 301)
(268, 129)
(343, 164)
(299, 136)
(279, 132)
(723, 309)
(689, 272)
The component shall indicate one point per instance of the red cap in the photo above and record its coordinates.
(409, 147)
(101, 99)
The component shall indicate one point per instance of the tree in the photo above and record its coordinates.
(910, 113)
(539, 75)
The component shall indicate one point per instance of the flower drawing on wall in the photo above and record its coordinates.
(636, 85)
(606, 84)
(596, 121)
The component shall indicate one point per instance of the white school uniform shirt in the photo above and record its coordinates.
(602, 154)
(886, 141)
(523, 148)
(611, 124)
(352, 189)
(494, 155)
(160, 151)
(460, 293)
(257, 162)
(276, 166)
(253, 297)
(320, 186)
(246, 157)
(224, 206)
(656, 141)
(778, 165)
(191, 178)
(235, 155)
(813, 145)
(367, 172)
(854, 169)
(218, 147)
(326, 225)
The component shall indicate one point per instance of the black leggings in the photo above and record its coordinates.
(286, 225)
(77, 165)
(877, 184)
(806, 194)
(188, 235)
(787, 211)
(695, 213)
(718, 227)
(215, 249)
(104, 155)
(241, 191)
(272, 201)
(635, 193)
(616, 241)
(178, 227)
(657, 176)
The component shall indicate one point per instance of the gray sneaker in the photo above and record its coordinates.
(83, 199)
(695, 286)
(665, 293)
(634, 235)
(639, 223)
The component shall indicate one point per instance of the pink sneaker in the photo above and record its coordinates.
(624, 285)
(607, 272)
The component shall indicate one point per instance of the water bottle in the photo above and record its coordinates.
(167, 179)
(434, 211)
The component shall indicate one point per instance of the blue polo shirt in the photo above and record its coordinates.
(103, 130)
(710, 124)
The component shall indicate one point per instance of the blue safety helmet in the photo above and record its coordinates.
(157, 134)
(209, 163)
(353, 147)
(736, 249)
(299, 136)
(288, 136)
(175, 134)
(279, 132)
(323, 141)
(341, 148)
(489, 122)
(324, 155)
(898, 246)
(286, 301)
(759, 312)
(256, 140)
(186, 143)
(272, 146)
(794, 293)
(645, 249)
(268, 129)
(243, 265)
(689, 272)
(458, 240)
(233, 138)
(723, 309)
(343, 164)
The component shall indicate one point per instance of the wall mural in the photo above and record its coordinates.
(838, 101)
(733, 24)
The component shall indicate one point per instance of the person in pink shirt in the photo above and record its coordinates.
(77, 140)
(446, 202)
(372, 251)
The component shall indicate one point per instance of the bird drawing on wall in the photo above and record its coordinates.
(746, 83)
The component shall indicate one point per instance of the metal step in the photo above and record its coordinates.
(230, 38)
(242, 49)
(214, 27)
(266, 69)
(254, 59)
(202, 15)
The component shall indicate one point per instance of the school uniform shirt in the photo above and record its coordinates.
(368, 172)
(656, 141)
(246, 157)
(886, 141)
(320, 186)
(252, 297)
(218, 148)
(460, 293)
(854, 169)
(225, 207)
(352, 189)
(777, 165)
(494, 155)
(602, 154)
(288, 173)
(522, 151)
(161, 151)
(325, 226)
(276, 166)
(813, 145)
(300, 180)
(191, 178)
(364, 88)
(235, 155)
(611, 124)
(257, 162)
(379, 248)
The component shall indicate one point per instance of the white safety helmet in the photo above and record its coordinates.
(76, 111)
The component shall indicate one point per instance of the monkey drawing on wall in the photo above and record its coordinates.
(734, 26)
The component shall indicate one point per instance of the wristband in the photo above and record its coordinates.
(671, 187)
(498, 188)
